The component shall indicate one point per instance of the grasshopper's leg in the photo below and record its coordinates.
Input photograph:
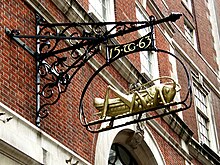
(125, 98)
(143, 101)
(160, 94)
(155, 99)
(106, 102)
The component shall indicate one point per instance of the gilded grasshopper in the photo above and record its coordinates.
(139, 99)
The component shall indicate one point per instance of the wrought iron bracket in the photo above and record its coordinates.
(62, 49)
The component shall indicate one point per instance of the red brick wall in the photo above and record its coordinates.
(17, 67)
(205, 33)
(199, 18)
(170, 155)
(17, 74)
(126, 11)
(163, 59)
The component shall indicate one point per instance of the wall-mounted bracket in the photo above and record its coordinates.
(62, 49)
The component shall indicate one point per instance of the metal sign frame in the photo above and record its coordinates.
(83, 41)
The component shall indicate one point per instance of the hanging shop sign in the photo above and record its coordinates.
(58, 63)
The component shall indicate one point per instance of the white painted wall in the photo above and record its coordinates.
(23, 143)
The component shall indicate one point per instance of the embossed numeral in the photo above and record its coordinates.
(113, 50)
(143, 44)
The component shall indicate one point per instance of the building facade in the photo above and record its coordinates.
(187, 137)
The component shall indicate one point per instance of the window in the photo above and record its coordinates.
(146, 57)
(190, 32)
(142, 16)
(203, 128)
(119, 155)
(102, 9)
(146, 62)
(200, 98)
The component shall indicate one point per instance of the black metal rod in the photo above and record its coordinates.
(92, 23)
(132, 121)
(54, 37)
(172, 18)
(38, 98)
(139, 113)
(20, 43)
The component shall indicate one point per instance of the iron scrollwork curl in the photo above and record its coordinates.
(57, 64)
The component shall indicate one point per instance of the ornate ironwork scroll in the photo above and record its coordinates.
(62, 49)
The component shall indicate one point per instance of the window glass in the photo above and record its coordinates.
(203, 129)
(202, 116)
(102, 9)
(145, 56)
(146, 62)
(119, 155)
(189, 32)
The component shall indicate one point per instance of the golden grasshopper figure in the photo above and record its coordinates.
(139, 99)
